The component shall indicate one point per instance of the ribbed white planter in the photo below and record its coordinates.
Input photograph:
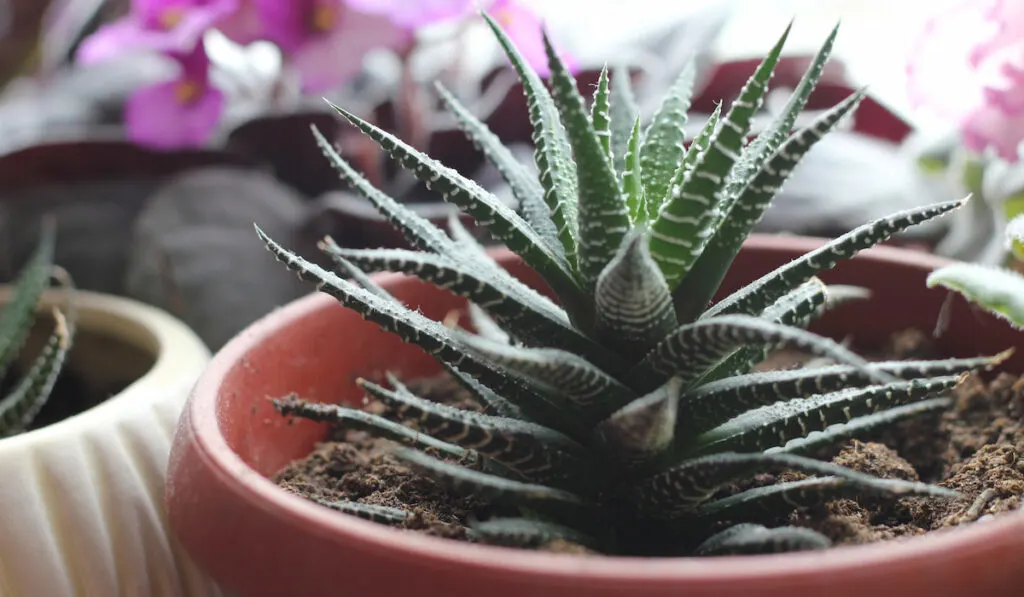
(81, 501)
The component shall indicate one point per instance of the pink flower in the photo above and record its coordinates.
(524, 28)
(158, 25)
(325, 40)
(178, 113)
(522, 25)
(412, 14)
(968, 67)
(244, 25)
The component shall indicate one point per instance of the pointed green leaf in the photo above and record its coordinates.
(537, 452)
(603, 218)
(469, 246)
(18, 315)
(698, 146)
(756, 295)
(663, 146)
(419, 232)
(680, 489)
(360, 420)
(769, 140)
(689, 216)
(837, 434)
(643, 428)
(584, 388)
(526, 532)
(524, 185)
(753, 199)
(775, 424)
(751, 539)
(371, 512)
(360, 277)
(600, 114)
(553, 154)
(523, 312)
(23, 403)
(485, 487)
(632, 177)
(634, 305)
(623, 111)
(415, 328)
(694, 347)
(998, 291)
(481, 205)
(797, 309)
(763, 504)
(485, 325)
(513, 304)
(491, 401)
(715, 403)
(798, 306)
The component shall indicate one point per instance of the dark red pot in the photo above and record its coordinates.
(258, 540)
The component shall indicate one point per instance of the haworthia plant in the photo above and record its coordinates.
(28, 394)
(613, 415)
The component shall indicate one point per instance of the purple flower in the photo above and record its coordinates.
(325, 40)
(245, 25)
(178, 113)
(412, 14)
(159, 25)
(523, 27)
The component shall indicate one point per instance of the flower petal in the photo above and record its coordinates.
(156, 117)
(245, 25)
(328, 61)
(110, 40)
(138, 31)
(1006, 20)
(412, 15)
(990, 127)
(523, 27)
(940, 75)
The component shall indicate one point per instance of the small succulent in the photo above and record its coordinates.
(1000, 291)
(24, 401)
(615, 416)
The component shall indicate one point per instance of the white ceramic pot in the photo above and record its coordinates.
(81, 501)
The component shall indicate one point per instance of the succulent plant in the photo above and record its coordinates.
(616, 414)
(1000, 291)
(28, 395)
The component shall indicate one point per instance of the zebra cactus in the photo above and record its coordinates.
(24, 401)
(616, 413)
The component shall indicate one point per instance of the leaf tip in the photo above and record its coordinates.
(1003, 356)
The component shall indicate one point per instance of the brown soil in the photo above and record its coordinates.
(357, 467)
(360, 468)
(975, 448)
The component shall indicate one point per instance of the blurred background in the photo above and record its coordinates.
(158, 131)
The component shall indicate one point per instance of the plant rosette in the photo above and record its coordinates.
(257, 539)
(83, 495)
(616, 402)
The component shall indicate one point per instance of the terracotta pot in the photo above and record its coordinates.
(81, 509)
(258, 540)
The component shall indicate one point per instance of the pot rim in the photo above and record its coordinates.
(175, 348)
(297, 511)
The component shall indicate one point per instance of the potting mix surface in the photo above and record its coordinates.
(974, 447)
